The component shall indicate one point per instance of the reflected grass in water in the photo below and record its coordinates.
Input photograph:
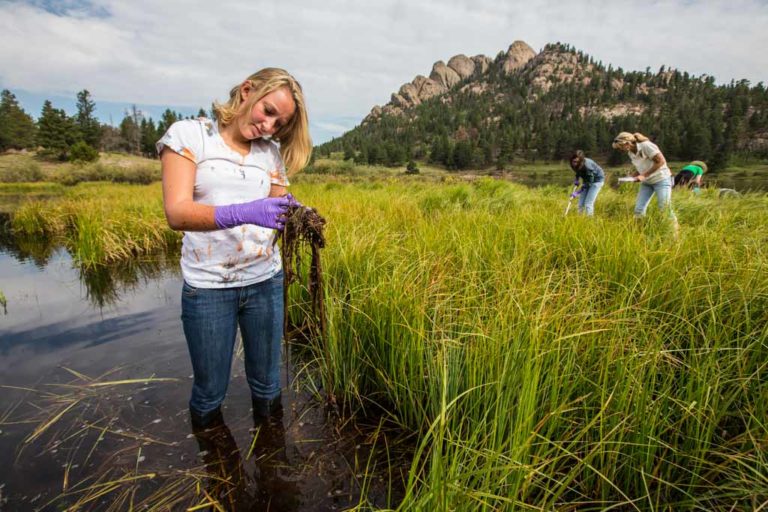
(104, 284)
(101, 223)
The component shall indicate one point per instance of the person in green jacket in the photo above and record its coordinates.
(691, 175)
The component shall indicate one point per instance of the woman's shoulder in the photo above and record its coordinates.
(591, 164)
(199, 123)
(648, 149)
(648, 144)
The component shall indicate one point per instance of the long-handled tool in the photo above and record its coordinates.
(570, 199)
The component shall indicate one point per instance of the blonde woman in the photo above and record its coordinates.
(650, 170)
(225, 185)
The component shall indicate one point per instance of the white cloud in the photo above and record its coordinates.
(350, 55)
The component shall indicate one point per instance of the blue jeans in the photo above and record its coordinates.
(211, 316)
(663, 191)
(588, 195)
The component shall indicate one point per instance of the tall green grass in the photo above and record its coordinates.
(540, 362)
(549, 362)
(100, 223)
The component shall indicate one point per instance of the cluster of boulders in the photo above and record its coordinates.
(541, 70)
(444, 77)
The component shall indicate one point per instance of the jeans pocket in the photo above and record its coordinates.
(188, 290)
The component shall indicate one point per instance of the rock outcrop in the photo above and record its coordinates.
(444, 77)
(518, 55)
(462, 65)
(553, 66)
(482, 64)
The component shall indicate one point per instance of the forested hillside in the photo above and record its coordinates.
(550, 103)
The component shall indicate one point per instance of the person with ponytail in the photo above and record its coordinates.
(651, 171)
(225, 186)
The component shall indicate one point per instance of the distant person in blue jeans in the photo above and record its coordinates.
(224, 186)
(651, 171)
(592, 180)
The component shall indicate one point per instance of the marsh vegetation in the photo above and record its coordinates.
(531, 360)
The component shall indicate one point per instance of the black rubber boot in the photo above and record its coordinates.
(267, 408)
(206, 421)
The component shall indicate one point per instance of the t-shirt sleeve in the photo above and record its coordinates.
(649, 149)
(183, 137)
(278, 174)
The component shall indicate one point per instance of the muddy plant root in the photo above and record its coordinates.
(304, 231)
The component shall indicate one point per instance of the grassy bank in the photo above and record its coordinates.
(114, 167)
(541, 362)
(100, 223)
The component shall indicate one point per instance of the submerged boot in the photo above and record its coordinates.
(223, 464)
(202, 421)
(265, 408)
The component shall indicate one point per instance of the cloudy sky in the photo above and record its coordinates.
(348, 54)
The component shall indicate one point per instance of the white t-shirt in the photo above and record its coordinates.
(238, 256)
(643, 160)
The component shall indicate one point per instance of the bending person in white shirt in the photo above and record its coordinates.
(650, 169)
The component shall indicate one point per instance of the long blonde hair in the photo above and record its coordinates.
(295, 142)
(625, 137)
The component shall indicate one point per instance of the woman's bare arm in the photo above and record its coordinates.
(182, 212)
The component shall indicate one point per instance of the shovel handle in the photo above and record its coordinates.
(570, 199)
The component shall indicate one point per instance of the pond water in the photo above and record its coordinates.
(94, 383)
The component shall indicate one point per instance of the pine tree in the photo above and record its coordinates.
(149, 135)
(55, 132)
(17, 128)
(462, 155)
(87, 125)
(166, 120)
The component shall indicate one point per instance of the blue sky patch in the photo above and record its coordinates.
(76, 8)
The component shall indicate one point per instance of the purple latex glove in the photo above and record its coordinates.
(576, 194)
(576, 182)
(293, 200)
(267, 212)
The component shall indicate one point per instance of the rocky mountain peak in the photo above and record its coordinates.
(444, 77)
(518, 55)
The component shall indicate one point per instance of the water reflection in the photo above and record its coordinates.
(34, 249)
(104, 284)
(70, 332)
(271, 484)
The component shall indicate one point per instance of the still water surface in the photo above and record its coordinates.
(65, 339)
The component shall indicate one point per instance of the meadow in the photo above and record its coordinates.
(533, 361)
